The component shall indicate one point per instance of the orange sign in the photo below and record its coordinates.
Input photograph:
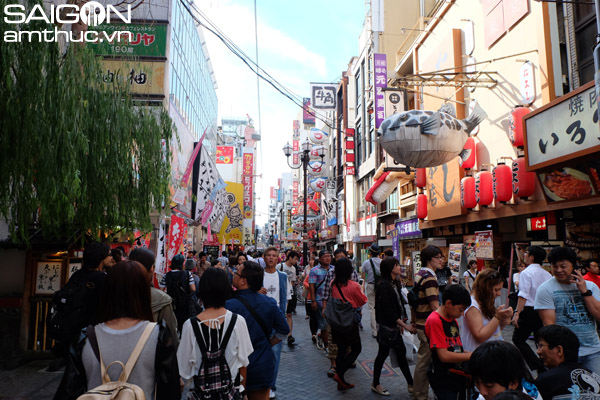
(443, 191)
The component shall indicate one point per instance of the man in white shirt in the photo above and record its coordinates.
(289, 267)
(275, 285)
(526, 320)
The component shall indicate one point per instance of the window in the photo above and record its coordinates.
(359, 145)
(585, 40)
(359, 91)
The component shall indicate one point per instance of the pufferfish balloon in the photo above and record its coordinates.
(422, 139)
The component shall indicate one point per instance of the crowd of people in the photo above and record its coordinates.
(214, 329)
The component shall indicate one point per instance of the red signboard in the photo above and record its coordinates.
(247, 164)
(224, 154)
(177, 231)
(273, 192)
(536, 224)
(247, 181)
(295, 201)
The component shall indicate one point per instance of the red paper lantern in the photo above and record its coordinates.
(421, 206)
(483, 188)
(421, 177)
(469, 162)
(467, 192)
(502, 182)
(523, 184)
(515, 125)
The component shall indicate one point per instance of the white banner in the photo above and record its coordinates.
(161, 265)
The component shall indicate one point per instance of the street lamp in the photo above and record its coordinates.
(304, 158)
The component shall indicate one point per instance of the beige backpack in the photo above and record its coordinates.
(120, 389)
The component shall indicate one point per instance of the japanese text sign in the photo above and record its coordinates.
(142, 77)
(308, 116)
(247, 181)
(176, 234)
(527, 83)
(394, 102)
(536, 224)
(295, 201)
(224, 154)
(443, 191)
(248, 164)
(564, 129)
(296, 130)
(408, 229)
(380, 75)
(148, 40)
(323, 96)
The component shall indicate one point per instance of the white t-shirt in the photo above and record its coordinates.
(530, 280)
(516, 279)
(467, 276)
(468, 340)
(271, 283)
(239, 348)
(291, 273)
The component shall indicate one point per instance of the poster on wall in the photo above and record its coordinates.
(484, 245)
(415, 257)
(455, 256)
(469, 247)
(74, 266)
(47, 279)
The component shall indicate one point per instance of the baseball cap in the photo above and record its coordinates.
(177, 261)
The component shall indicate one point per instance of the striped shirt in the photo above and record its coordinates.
(428, 291)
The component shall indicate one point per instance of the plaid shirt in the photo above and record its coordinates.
(329, 279)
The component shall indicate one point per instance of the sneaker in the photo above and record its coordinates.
(320, 343)
(291, 340)
(272, 394)
(331, 372)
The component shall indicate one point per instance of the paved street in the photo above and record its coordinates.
(302, 374)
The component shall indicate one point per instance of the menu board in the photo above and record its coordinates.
(454, 256)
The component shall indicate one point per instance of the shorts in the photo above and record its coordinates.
(321, 321)
(291, 304)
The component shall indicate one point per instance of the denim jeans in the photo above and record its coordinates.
(591, 362)
(277, 352)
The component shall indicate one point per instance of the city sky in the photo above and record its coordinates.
(298, 42)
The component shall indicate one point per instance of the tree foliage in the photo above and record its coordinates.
(75, 155)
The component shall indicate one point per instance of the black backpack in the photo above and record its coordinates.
(178, 287)
(214, 380)
(68, 312)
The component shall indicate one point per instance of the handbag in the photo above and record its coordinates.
(390, 337)
(339, 313)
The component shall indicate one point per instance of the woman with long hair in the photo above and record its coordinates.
(483, 321)
(390, 314)
(342, 287)
(125, 316)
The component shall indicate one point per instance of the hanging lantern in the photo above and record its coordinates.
(502, 182)
(421, 177)
(467, 192)
(515, 125)
(421, 206)
(483, 188)
(472, 158)
(523, 184)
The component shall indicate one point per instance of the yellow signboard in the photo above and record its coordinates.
(142, 77)
(231, 229)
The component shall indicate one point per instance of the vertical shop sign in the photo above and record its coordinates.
(380, 62)
(295, 201)
(176, 231)
(308, 116)
(395, 243)
(161, 267)
(247, 170)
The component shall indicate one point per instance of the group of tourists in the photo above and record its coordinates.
(216, 328)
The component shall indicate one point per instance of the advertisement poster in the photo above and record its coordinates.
(147, 40)
(484, 245)
(224, 154)
(454, 256)
(232, 224)
(469, 246)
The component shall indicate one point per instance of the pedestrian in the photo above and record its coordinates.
(241, 258)
(202, 264)
(558, 347)
(117, 256)
(75, 306)
(180, 286)
(568, 300)
(343, 288)
(275, 286)
(393, 321)
(125, 314)
(428, 301)
(332, 348)
(448, 373)
(444, 277)
(498, 366)
(224, 259)
(310, 315)
(593, 271)
(470, 275)
(526, 320)
(289, 267)
(190, 267)
(483, 321)
(316, 281)
(520, 267)
(266, 324)
(370, 276)
(217, 330)
(162, 307)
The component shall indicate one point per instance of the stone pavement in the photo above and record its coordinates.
(302, 374)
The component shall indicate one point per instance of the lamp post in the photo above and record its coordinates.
(304, 158)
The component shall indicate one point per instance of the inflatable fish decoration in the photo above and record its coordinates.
(423, 139)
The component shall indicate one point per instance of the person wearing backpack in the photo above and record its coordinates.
(180, 286)
(134, 352)
(75, 305)
(215, 345)
(371, 275)
(266, 324)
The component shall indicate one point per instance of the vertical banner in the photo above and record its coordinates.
(396, 243)
(295, 201)
(380, 83)
(247, 181)
(273, 193)
(308, 116)
(176, 232)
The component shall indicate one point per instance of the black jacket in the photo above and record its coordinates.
(388, 308)
(74, 382)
